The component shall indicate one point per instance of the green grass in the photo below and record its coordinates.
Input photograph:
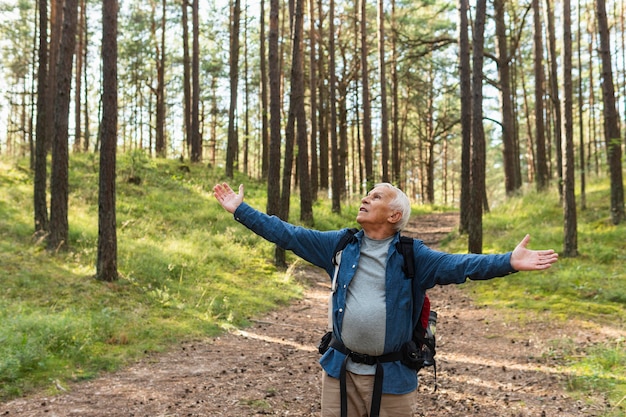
(187, 270)
(590, 287)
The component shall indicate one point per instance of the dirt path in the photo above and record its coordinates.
(488, 366)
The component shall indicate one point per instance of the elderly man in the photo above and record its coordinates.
(374, 305)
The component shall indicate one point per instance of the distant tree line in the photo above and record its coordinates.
(440, 98)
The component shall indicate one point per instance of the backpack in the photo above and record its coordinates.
(420, 351)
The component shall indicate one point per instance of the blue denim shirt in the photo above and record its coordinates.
(404, 297)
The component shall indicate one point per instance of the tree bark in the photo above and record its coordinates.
(477, 170)
(233, 143)
(186, 77)
(39, 192)
(384, 114)
(541, 177)
(611, 121)
(554, 92)
(466, 114)
(273, 175)
(334, 141)
(509, 153)
(59, 228)
(313, 101)
(368, 153)
(106, 269)
(570, 238)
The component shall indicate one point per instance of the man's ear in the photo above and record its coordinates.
(395, 217)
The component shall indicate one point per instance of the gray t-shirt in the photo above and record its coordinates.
(365, 318)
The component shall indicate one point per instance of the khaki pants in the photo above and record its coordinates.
(359, 390)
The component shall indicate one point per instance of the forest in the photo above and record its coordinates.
(458, 103)
(110, 110)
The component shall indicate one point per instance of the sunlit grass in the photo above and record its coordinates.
(590, 288)
(186, 270)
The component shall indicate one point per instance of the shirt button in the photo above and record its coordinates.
(353, 266)
(344, 285)
(341, 310)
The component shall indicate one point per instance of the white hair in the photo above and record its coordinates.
(401, 203)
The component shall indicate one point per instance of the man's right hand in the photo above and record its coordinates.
(227, 197)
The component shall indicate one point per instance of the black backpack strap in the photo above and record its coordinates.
(343, 242)
(405, 247)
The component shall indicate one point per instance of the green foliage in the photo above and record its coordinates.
(590, 288)
(187, 270)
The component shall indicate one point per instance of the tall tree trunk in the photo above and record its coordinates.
(297, 90)
(87, 132)
(186, 77)
(581, 124)
(323, 105)
(554, 92)
(56, 21)
(313, 101)
(160, 146)
(334, 141)
(196, 140)
(384, 114)
(570, 238)
(233, 143)
(611, 121)
(263, 91)
(509, 153)
(466, 114)
(59, 228)
(81, 45)
(246, 96)
(540, 138)
(477, 169)
(273, 174)
(39, 192)
(106, 268)
(395, 113)
(368, 153)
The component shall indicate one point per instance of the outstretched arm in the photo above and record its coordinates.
(227, 197)
(523, 259)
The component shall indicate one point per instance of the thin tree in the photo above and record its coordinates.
(106, 269)
(196, 140)
(368, 154)
(297, 94)
(334, 140)
(313, 101)
(384, 114)
(395, 98)
(246, 95)
(233, 143)
(59, 182)
(477, 167)
(159, 91)
(611, 121)
(323, 106)
(273, 173)
(509, 152)
(554, 92)
(570, 238)
(263, 92)
(541, 177)
(581, 124)
(39, 192)
(466, 113)
(81, 45)
(186, 76)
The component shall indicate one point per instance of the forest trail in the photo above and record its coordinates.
(488, 366)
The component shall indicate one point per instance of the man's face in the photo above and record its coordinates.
(375, 207)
